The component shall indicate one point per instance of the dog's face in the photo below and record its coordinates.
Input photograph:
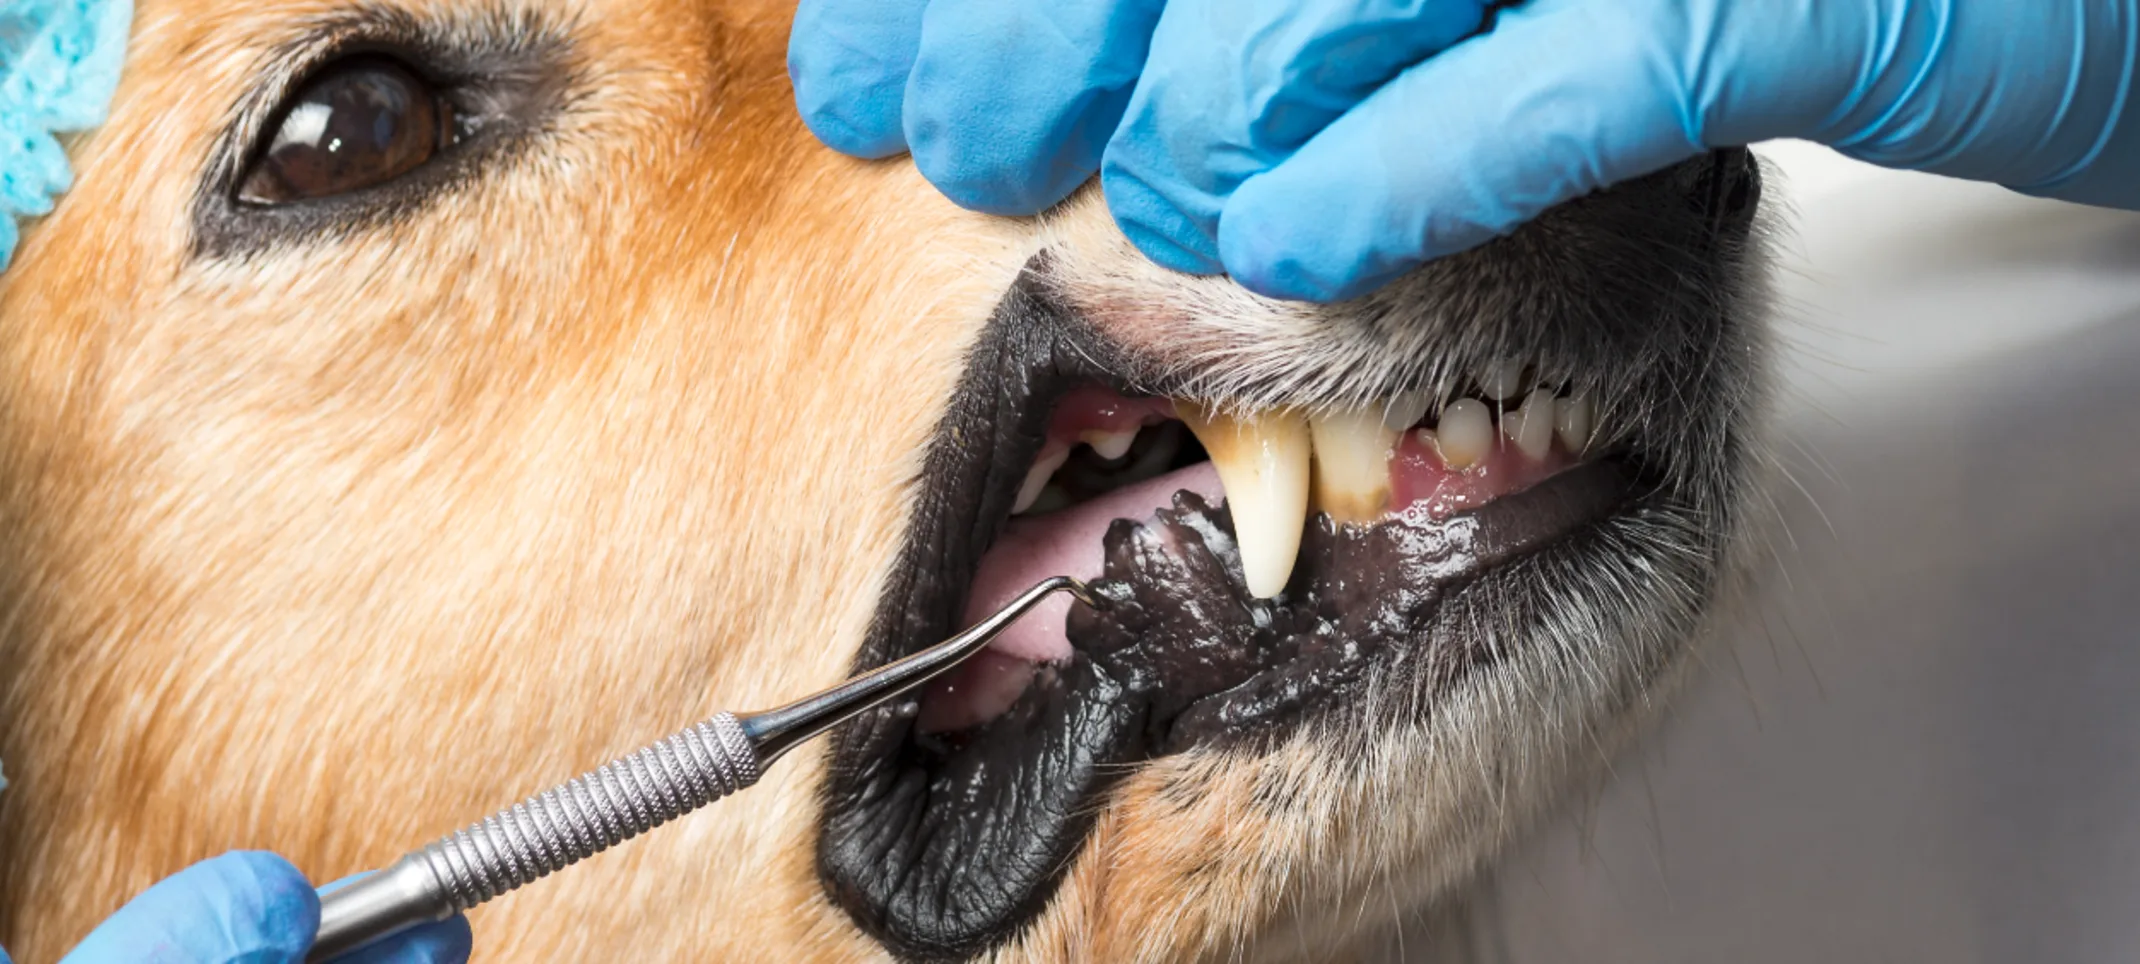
(417, 402)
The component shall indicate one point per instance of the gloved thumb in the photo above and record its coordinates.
(244, 906)
(1558, 100)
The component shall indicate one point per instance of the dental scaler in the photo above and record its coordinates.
(623, 799)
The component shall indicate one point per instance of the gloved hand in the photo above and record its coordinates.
(244, 908)
(1319, 148)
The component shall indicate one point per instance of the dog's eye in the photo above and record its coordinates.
(353, 125)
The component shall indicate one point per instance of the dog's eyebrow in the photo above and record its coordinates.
(508, 65)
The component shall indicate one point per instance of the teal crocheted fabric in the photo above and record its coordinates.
(59, 62)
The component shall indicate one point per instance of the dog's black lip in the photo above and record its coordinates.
(1031, 352)
(1090, 720)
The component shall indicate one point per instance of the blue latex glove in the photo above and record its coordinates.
(1004, 103)
(1319, 148)
(244, 908)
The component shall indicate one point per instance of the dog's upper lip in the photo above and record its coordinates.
(940, 850)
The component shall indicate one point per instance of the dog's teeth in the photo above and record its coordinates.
(1531, 427)
(1262, 461)
(1052, 456)
(1501, 380)
(1571, 421)
(1466, 433)
(1109, 445)
(1352, 463)
(1405, 410)
(1428, 440)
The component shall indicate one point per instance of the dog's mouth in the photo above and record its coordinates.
(1257, 569)
(1228, 614)
(1261, 571)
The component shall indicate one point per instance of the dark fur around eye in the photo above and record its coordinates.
(369, 116)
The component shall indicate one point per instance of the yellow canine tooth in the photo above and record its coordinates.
(1262, 460)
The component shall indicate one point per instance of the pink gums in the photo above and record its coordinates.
(1090, 408)
(1069, 543)
(1423, 489)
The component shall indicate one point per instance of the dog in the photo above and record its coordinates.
(416, 402)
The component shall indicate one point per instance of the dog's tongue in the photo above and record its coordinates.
(1067, 542)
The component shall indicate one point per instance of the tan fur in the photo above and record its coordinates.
(329, 549)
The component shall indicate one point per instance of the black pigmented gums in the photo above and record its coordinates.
(1216, 666)
(1211, 664)
(952, 836)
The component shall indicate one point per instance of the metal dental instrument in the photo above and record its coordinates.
(623, 799)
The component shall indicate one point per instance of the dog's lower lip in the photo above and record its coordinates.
(937, 844)
(1217, 666)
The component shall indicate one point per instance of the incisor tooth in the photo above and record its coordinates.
(1109, 445)
(1501, 380)
(1428, 440)
(1262, 461)
(1352, 463)
(1531, 427)
(1571, 421)
(1405, 410)
(1052, 456)
(1466, 433)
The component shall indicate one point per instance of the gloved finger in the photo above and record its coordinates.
(243, 906)
(1234, 86)
(849, 61)
(443, 942)
(1558, 100)
(1011, 101)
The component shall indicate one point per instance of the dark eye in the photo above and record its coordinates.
(353, 125)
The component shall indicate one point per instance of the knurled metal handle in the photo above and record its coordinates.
(541, 835)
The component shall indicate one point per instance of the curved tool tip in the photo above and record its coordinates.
(1082, 592)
